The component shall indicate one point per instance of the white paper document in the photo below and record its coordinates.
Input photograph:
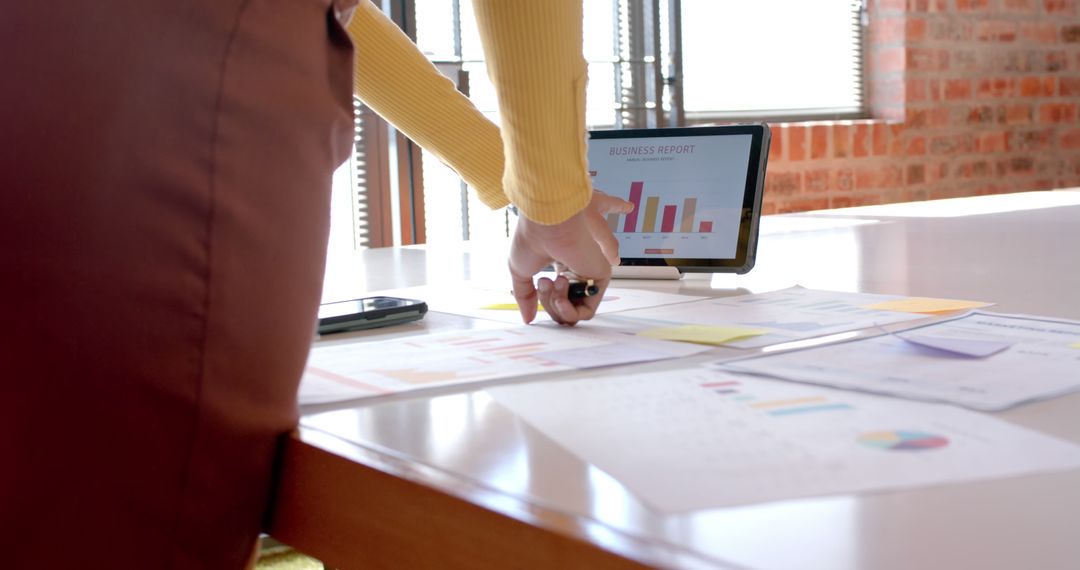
(499, 305)
(361, 369)
(789, 314)
(701, 438)
(984, 361)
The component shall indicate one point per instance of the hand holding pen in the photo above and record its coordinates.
(580, 287)
(583, 247)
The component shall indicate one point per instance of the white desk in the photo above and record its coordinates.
(450, 478)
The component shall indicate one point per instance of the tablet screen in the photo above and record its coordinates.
(696, 192)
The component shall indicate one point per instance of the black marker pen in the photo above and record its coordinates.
(579, 288)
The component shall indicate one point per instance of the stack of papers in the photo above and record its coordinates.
(362, 369)
(981, 360)
(717, 435)
(796, 313)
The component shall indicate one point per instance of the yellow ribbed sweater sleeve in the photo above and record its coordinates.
(534, 57)
(533, 49)
(401, 85)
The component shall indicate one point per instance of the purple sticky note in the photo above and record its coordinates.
(976, 347)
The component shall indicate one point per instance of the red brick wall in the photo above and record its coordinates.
(967, 97)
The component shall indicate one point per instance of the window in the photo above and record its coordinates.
(771, 58)
(651, 63)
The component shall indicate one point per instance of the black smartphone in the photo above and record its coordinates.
(368, 313)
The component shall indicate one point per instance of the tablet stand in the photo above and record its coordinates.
(645, 272)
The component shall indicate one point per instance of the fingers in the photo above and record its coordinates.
(524, 262)
(553, 296)
(545, 289)
(605, 203)
(601, 205)
(583, 244)
(602, 235)
(525, 295)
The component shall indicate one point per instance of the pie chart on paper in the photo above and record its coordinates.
(903, 440)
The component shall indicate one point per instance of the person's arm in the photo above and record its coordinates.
(534, 56)
(395, 79)
(400, 84)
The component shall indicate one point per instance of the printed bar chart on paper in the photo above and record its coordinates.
(346, 371)
(687, 194)
(698, 438)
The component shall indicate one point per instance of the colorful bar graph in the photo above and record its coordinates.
(668, 213)
(668, 224)
(689, 208)
(810, 409)
(635, 196)
(651, 204)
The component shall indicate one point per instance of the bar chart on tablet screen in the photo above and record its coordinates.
(687, 193)
(676, 218)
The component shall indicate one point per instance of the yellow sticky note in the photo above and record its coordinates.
(926, 305)
(1075, 345)
(507, 307)
(701, 334)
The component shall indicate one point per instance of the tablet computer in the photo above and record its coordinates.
(696, 194)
